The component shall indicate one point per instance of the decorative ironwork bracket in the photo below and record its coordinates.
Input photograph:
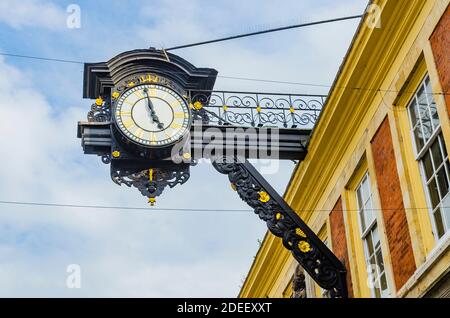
(311, 253)
(151, 182)
(292, 114)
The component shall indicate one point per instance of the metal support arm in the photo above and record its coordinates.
(311, 253)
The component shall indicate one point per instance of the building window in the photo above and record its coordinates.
(432, 155)
(377, 281)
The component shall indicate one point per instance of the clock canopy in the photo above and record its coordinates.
(100, 78)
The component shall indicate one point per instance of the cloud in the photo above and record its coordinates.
(121, 254)
(306, 55)
(137, 253)
(32, 13)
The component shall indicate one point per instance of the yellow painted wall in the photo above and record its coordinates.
(393, 58)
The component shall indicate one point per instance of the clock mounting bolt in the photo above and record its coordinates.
(99, 101)
(116, 154)
(198, 105)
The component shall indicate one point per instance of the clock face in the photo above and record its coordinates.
(152, 115)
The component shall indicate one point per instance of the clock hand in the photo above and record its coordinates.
(152, 111)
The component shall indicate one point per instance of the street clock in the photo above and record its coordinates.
(152, 107)
(152, 116)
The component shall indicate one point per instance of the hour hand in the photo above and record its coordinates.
(152, 111)
(156, 120)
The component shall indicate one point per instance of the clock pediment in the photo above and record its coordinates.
(99, 78)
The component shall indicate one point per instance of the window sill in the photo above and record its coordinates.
(443, 246)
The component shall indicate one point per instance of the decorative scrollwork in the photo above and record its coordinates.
(306, 248)
(152, 182)
(100, 111)
(106, 159)
(257, 109)
(146, 78)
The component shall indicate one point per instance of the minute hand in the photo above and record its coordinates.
(152, 111)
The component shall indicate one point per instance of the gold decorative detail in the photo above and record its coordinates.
(179, 115)
(150, 174)
(304, 246)
(198, 105)
(116, 153)
(233, 186)
(264, 196)
(153, 138)
(99, 101)
(225, 107)
(152, 201)
(300, 232)
(131, 84)
(129, 123)
(278, 216)
(115, 95)
(139, 132)
(292, 110)
(258, 109)
(175, 125)
(149, 78)
(187, 155)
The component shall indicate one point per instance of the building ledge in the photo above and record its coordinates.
(430, 272)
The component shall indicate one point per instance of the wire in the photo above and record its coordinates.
(231, 77)
(104, 207)
(264, 32)
(41, 58)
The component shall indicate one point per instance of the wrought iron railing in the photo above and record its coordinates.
(256, 109)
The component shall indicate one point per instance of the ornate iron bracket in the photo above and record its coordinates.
(152, 182)
(311, 253)
(249, 109)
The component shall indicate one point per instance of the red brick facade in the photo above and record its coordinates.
(440, 43)
(339, 240)
(398, 236)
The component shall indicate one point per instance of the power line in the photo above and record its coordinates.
(105, 207)
(48, 59)
(129, 208)
(264, 32)
(231, 77)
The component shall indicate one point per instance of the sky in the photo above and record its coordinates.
(137, 253)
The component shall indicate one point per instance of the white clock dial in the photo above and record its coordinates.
(152, 115)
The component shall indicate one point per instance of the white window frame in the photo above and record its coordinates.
(365, 233)
(420, 154)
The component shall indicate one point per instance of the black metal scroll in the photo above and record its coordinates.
(311, 253)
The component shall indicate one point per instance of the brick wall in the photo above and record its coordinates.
(398, 236)
(339, 240)
(440, 43)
